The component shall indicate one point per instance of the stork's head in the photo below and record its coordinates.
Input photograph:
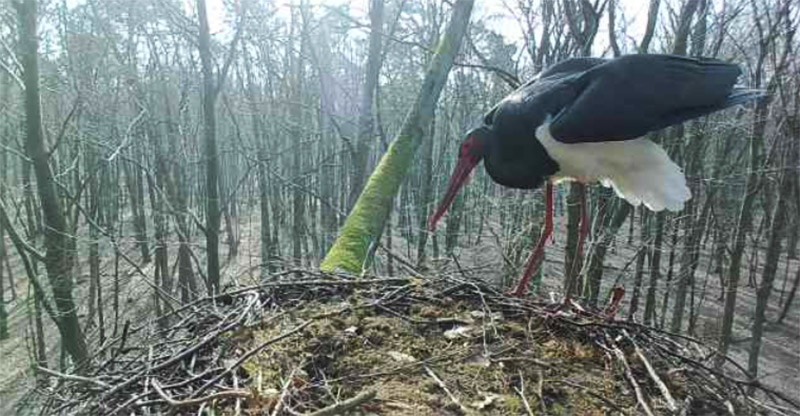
(472, 151)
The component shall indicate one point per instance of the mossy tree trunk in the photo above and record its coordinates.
(364, 225)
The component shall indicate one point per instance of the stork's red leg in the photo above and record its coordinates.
(535, 259)
(583, 232)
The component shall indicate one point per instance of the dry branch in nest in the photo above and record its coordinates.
(328, 344)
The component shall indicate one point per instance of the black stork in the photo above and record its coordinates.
(583, 120)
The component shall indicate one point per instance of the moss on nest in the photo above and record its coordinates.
(481, 360)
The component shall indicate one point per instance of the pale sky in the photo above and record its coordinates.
(635, 11)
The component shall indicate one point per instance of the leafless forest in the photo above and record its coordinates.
(153, 152)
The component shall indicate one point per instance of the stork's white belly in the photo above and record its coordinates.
(639, 170)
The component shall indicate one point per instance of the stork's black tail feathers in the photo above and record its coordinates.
(633, 95)
(741, 95)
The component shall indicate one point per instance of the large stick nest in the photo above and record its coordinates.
(323, 345)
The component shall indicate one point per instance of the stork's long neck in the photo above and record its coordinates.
(515, 163)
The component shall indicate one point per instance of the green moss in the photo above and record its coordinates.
(365, 223)
(513, 404)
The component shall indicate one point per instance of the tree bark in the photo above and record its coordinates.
(365, 113)
(58, 243)
(213, 212)
(655, 270)
(650, 28)
(594, 275)
(4, 94)
(753, 182)
(764, 290)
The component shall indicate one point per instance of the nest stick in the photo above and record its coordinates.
(671, 403)
(284, 392)
(446, 390)
(521, 392)
(72, 377)
(629, 375)
(346, 405)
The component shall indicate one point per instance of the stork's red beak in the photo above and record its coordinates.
(459, 177)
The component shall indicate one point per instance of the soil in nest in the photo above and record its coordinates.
(438, 356)
(469, 361)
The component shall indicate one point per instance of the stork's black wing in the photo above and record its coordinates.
(568, 66)
(628, 97)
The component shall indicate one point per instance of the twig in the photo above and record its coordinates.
(284, 392)
(629, 375)
(72, 377)
(526, 359)
(521, 392)
(673, 406)
(228, 394)
(446, 390)
(346, 405)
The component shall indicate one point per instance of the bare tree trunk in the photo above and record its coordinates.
(764, 290)
(59, 244)
(213, 212)
(611, 225)
(753, 183)
(297, 67)
(792, 294)
(583, 22)
(638, 274)
(426, 194)
(365, 115)
(650, 28)
(4, 94)
(136, 193)
(743, 225)
(94, 246)
(573, 261)
(655, 270)
(259, 137)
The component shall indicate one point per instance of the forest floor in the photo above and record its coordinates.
(779, 364)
